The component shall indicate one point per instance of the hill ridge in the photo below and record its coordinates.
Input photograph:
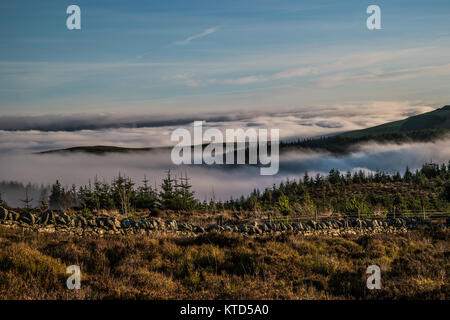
(423, 127)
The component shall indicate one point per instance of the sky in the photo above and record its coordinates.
(195, 57)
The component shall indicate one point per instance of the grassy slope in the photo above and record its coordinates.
(224, 266)
(437, 119)
(425, 127)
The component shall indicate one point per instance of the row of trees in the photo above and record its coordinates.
(425, 189)
(344, 143)
(428, 171)
(121, 194)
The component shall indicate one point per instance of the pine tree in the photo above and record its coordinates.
(146, 197)
(2, 202)
(104, 196)
(283, 205)
(167, 194)
(184, 196)
(306, 178)
(334, 177)
(27, 201)
(87, 198)
(397, 177)
(348, 177)
(122, 190)
(318, 180)
(56, 199)
(408, 175)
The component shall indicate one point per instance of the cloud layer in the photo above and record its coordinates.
(53, 132)
(20, 137)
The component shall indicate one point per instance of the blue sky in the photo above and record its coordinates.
(187, 56)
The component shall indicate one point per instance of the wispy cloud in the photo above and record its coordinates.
(185, 78)
(322, 65)
(384, 75)
(288, 74)
(197, 36)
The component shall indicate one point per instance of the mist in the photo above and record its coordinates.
(218, 182)
(22, 137)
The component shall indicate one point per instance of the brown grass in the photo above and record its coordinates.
(224, 266)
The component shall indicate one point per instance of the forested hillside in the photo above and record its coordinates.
(427, 189)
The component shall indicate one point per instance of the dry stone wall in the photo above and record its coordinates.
(51, 222)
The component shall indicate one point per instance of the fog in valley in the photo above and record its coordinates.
(21, 138)
(221, 182)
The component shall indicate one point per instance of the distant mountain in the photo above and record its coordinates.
(424, 127)
(420, 128)
(437, 119)
(98, 150)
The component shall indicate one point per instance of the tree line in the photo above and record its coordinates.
(343, 143)
(366, 193)
(121, 194)
(425, 189)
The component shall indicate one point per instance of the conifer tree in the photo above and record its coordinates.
(184, 195)
(122, 189)
(27, 201)
(56, 199)
(408, 175)
(2, 202)
(167, 193)
(146, 197)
